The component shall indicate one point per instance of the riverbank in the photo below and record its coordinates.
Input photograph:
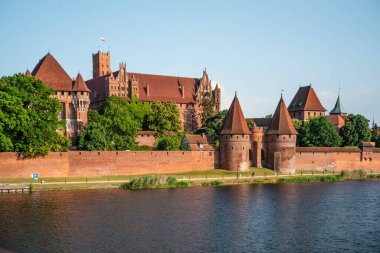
(190, 179)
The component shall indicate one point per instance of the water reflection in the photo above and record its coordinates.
(245, 218)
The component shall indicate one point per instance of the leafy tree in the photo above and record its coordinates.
(213, 124)
(29, 117)
(207, 107)
(355, 130)
(164, 117)
(269, 116)
(93, 137)
(250, 124)
(169, 142)
(317, 132)
(113, 128)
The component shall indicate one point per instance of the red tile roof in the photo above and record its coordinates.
(52, 74)
(79, 84)
(27, 73)
(235, 123)
(306, 100)
(336, 120)
(166, 88)
(281, 122)
(196, 140)
(161, 88)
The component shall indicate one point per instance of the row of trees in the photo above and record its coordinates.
(319, 132)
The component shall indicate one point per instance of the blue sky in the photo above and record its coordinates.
(254, 47)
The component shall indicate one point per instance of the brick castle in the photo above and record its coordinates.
(269, 143)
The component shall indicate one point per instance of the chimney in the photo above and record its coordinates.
(147, 90)
(183, 91)
(203, 135)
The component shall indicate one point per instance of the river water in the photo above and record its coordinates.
(312, 217)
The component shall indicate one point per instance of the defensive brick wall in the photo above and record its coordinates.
(315, 158)
(106, 163)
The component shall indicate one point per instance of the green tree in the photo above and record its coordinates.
(207, 107)
(317, 132)
(269, 116)
(377, 143)
(169, 142)
(250, 124)
(164, 117)
(113, 128)
(355, 130)
(29, 117)
(93, 137)
(213, 125)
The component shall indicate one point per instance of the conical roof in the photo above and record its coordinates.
(235, 123)
(306, 100)
(338, 108)
(79, 84)
(27, 73)
(281, 122)
(52, 74)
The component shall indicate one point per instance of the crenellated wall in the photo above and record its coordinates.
(106, 163)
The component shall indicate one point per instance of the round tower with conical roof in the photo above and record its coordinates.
(234, 140)
(281, 139)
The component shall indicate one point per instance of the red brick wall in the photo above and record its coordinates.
(336, 159)
(103, 163)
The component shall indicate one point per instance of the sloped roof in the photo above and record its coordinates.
(306, 100)
(235, 123)
(79, 84)
(195, 140)
(166, 88)
(338, 108)
(281, 122)
(27, 73)
(52, 74)
(336, 120)
(161, 88)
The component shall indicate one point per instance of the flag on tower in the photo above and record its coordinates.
(102, 39)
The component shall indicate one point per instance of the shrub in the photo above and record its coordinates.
(353, 174)
(182, 184)
(373, 176)
(152, 182)
(310, 179)
(212, 183)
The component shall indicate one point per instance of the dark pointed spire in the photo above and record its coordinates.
(281, 122)
(235, 123)
(338, 108)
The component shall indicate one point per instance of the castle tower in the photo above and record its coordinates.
(281, 141)
(101, 64)
(216, 97)
(256, 146)
(234, 140)
(81, 101)
(306, 104)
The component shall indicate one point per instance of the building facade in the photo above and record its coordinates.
(72, 93)
(186, 92)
